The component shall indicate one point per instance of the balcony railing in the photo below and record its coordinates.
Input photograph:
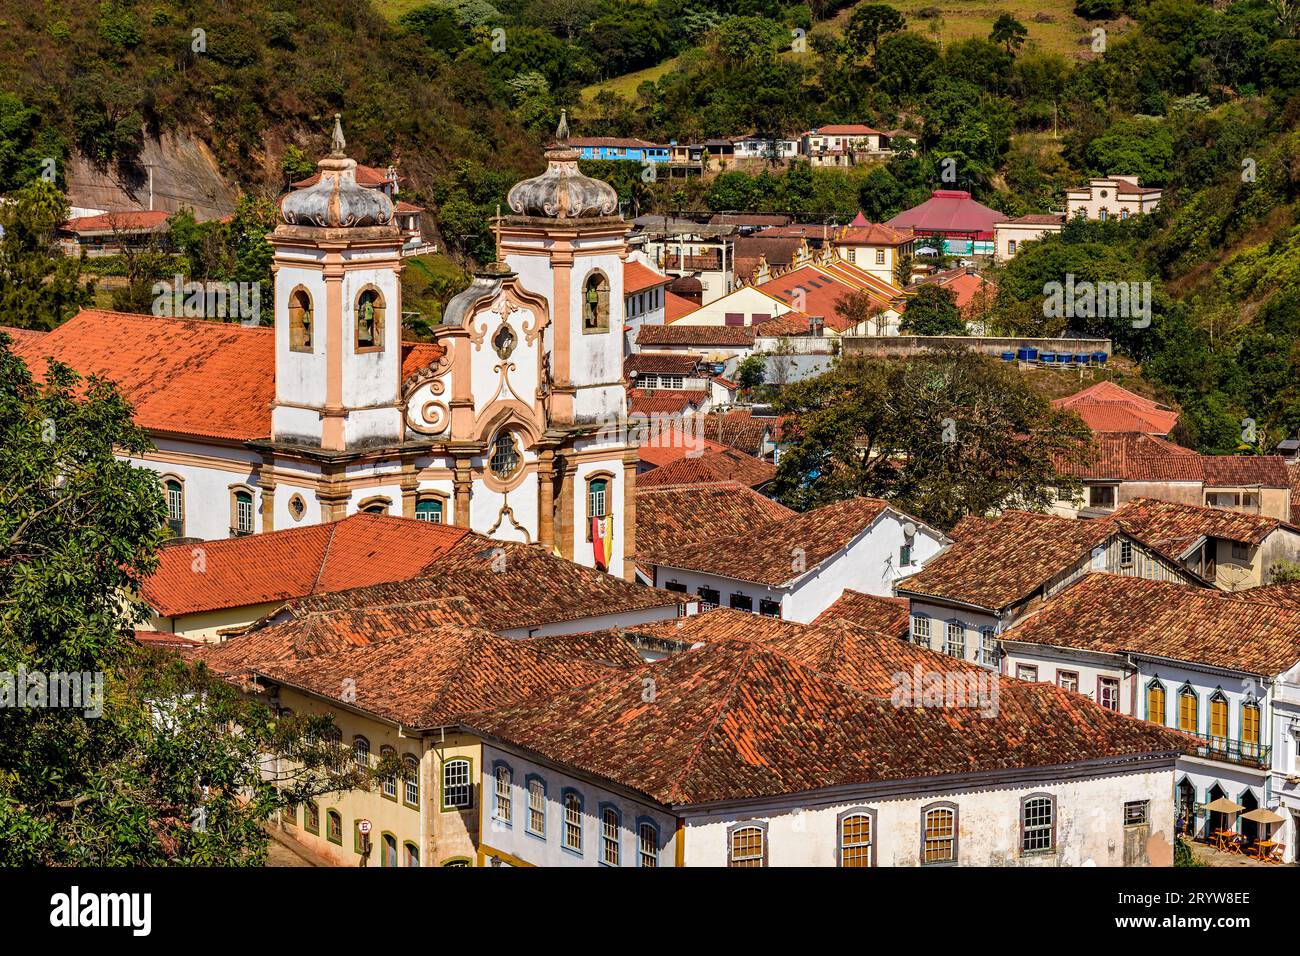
(1234, 751)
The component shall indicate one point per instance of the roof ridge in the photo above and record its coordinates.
(320, 572)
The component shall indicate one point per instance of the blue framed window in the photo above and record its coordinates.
(611, 843)
(536, 824)
(502, 783)
(571, 838)
(647, 843)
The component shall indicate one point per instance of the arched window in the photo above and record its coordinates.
(609, 841)
(334, 827)
(747, 846)
(505, 459)
(300, 321)
(411, 782)
(241, 512)
(595, 303)
(457, 793)
(1219, 716)
(370, 321)
(361, 752)
(374, 506)
(412, 854)
(1037, 824)
(537, 806)
(597, 502)
(1188, 718)
(502, 778)
(429, 509)
(572, 821)
(647, 844)
(389, 782)
(175, 492)
(390, 850)
(311, 817)
(939, 834)
(856, 831)
(1156, 702)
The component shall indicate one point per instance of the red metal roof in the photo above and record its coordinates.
(949, 210)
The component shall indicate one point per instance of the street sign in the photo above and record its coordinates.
(363, 826)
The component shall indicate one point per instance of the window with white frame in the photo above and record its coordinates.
(361, 752)
(939, 835)
(988, 647)
(1136, 812)
(573, 822)
(609, 843)
(747, 847)
(921, 629)
(1037, 824)
(411, 781)
(389, 783)
(175, 507)
(880, 257)
(457, 793)
(537, 806)
(954, 641)
(501, 776)
(647, 845)
(1125, 553)
(855, 840)
(1108, 692)
(1027, 672)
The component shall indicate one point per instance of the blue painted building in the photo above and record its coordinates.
(617, 148)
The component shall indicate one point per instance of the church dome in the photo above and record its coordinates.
(562, 192)
(335, 199)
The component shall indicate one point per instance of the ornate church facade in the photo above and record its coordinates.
(510, 422)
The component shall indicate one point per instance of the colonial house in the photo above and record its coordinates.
(841, 145)
(511, 418)
(1222, 668)
(1122, 466)
(1000, 569)
(623, 149)
(1107, 407)
(686, 249)
(394, 679)
(1111, 196)
(796, 567)
(111, 233)
(207, 590)
(766, 148)
(644, 290)
(960, 225)
(709, 468)
(1010, 235)
(712, 343)
(1231, 548)
(874, 248)
(814, 764)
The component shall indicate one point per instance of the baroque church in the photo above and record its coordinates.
(510, 422)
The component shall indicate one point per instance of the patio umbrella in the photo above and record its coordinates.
(1223, 805)
(1263, 816)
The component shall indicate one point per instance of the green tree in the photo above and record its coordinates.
(1009, 33)
(869, 24)
(750, 372)
(165, 766)
(932, 311)
(40, 287)
(942, 434)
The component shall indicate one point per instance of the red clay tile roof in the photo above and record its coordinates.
(610, 141)
(710, 468)
(1131, 456)
(669, 363)
(873, 234)
(1107, 407)
(331, 632)
(21, 337)
(510, 585)
(360, 550)
(949, 210)
(1008, 560)
(737, 720)
(734, 336)
(129, 220)
(791, 323)
(742, 429)
(669, 517)
(667, 440)
(887, 615)
(1170, 527)
(844, 129)
(660, 401)
(1039, 219)
(162, 639)
(784, 550)
(817, 290)
(969, 289)
(426, 680)
(1293, 477)
(1283, 594)
(675, 306)
(638, 277)
(1267, 471)
(1107, 612)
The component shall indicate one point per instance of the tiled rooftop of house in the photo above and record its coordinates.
(359, 550)
(1134, 456)
(664, 401)
(660, 363)
(1116, 614)
(888, 615)
(738, 719)
(20, 337)
(638, 277)
(1172, 528)
(697, 336)
(741, 428)
(510, 585)
(727, 464)
(784, 550)
(1007, 559)
(169, 369)
(667, 440)
(669, 517)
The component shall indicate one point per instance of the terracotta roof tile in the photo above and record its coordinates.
(675, 306)
(669, 363)
(22, 337)
(661, 401)
(638, 277)
(669, 517)
(710, 468)
(133, 219)
(1106, 612)
(667, 440)
(1171, 527)
(738, 719)
(887, 615)
(783, 550)
(1107, 407)
(366, 176)
(1293, 477)
(695, 335)
(360, 550)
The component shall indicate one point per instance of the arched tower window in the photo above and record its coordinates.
(505, 459)
(370, 321)
(300, 320)
(595, 303)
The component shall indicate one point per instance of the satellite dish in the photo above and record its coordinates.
(909, 529)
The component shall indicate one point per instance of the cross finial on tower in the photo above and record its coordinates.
(338, 144)
(562, 131)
